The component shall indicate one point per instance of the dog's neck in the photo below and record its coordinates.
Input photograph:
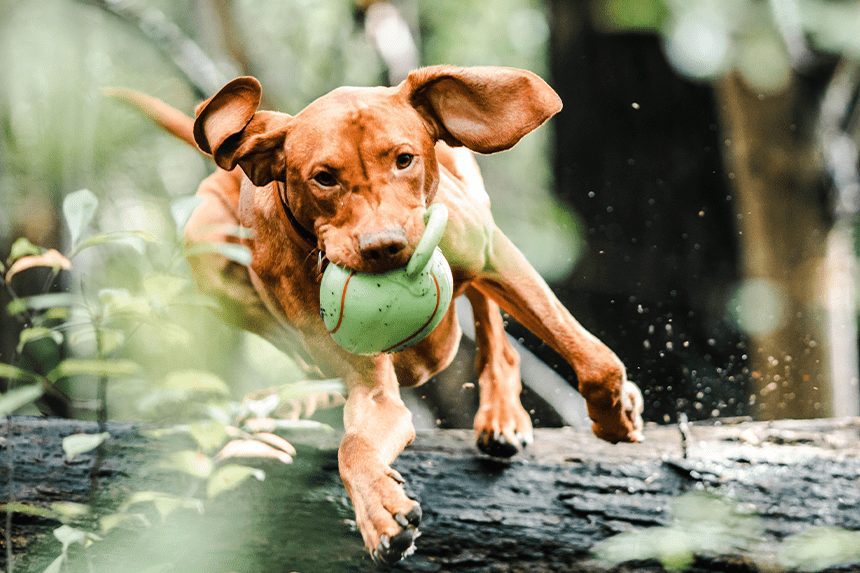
(302, 234)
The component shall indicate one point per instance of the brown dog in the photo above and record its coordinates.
(348, 179)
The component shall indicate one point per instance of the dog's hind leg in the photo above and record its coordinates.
(614, 404)
(241, 302)
(502, 425)
(377, 428)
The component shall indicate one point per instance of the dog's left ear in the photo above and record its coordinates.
(485, 108)
(229, 127)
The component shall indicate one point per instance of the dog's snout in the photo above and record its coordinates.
(382, 245)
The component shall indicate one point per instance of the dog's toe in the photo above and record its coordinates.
(391, 550)
(499, 446)
(413, 518)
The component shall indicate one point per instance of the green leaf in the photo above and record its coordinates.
(78, 444)
(56, 565)
(133, 239)
(167, 505)
(69, 509)
(160, 433)
(68, 535)
(820, 548)
(273, 424)
(41, 302)
(209, 435)
(237, 231)
(120, 302)
(93, 367)
(166, 500)
(27, 509)
(229, 477)
(22, 247)
(114, 520)
(111, 338)
(236, 253)
(164, 286)
(311, 387)
(79, 208)
(37, 333)
(189, 462)
(15, 373)
(195, 381)
(19, 397)
(182, 208)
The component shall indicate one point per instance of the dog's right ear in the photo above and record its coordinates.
(229, 127)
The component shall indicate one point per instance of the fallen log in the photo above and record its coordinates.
(544, 511)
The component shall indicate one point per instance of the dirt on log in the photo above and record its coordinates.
(543, 511)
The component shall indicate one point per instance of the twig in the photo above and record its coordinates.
(684, 429)
(184, 53)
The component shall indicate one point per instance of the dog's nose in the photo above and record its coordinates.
(382, 245)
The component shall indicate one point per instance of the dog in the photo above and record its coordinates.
(347, 180)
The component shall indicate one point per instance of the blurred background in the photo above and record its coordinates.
(694, 204)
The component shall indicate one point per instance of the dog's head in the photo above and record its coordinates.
(359, 164)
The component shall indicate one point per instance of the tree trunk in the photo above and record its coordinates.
(542, 512)
(783, 226)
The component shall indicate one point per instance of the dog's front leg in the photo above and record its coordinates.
(614, 404)
(378, 427)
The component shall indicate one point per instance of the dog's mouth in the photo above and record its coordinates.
(355, 262)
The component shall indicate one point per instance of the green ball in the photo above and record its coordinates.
(369, 313)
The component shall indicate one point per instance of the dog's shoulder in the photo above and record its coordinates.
(460, 165)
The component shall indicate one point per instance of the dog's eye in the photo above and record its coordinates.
(404, 160)
(325, 179)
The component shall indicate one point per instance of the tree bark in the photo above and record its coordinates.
(541, 512)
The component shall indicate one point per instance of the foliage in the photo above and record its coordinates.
(100, 323)
(762, 41)
(705, 525)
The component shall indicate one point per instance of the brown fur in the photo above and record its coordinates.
(356, 135)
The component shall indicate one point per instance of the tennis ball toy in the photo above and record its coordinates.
(370, 313)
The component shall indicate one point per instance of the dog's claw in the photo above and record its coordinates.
(414, 516)
(390, 551)
(499, 446)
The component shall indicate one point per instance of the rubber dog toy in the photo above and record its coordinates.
(371, 313)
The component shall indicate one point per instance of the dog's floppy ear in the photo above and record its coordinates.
(229, 127)
(485, 108)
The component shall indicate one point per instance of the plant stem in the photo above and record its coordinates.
(102, 414)
(7, 533)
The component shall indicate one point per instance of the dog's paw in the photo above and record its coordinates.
(387, 518)
(626, 424)
(503, 429)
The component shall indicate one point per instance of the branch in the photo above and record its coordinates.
(185, 54)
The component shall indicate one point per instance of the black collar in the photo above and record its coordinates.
(303, 232)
